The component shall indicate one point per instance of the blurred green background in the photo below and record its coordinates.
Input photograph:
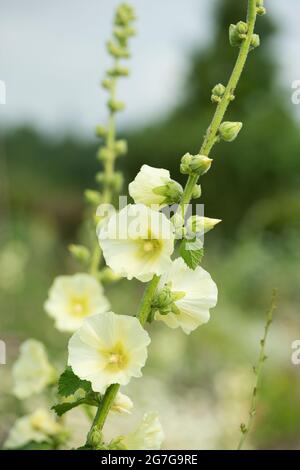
(205, 379)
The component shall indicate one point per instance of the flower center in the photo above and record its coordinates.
(149, 246)
(79, 306)
(116, 358)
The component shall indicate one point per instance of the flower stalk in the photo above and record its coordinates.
(246, 428)
(211, 136)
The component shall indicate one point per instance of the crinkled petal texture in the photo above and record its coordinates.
(200, 291)
(108, 349)
(149, 178)
(32, 371)
(72, 298)
(37, 427)
(138, 242)
(148, 436)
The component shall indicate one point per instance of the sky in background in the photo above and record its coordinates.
(52, 57)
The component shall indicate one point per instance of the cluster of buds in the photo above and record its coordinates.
(195, 165)
(164, 302)
(117, 47)
(238, 33)
(260, 7)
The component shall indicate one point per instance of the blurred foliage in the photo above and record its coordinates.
(253, 186)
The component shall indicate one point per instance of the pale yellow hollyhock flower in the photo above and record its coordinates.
(198, 293)
(72, 298)
(108, 349)
(39, 426)
(32, 371)
(138, 242)
(148, 436)
(122, 404)
(145, 189)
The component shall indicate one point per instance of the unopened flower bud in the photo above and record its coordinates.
(261, 11)
(80, 252)
(115, 105)
(195, 164)
(101, 131)
(124, 15)
(228, 131)
(237, 33)
(117, 51)
(163, 300)
(197, 192)
(104, 154)
(106, 83)
(200, 225)
(217, 93)
(92, 197)
(255, 41)
(171, 191)
(121, 147)
(108, 275)
(118, 71)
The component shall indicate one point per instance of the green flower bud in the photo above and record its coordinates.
(228, 131)
(237, 33)
(217, 93)
(124, 15)
(261, 11)
(101, 131)
(95, 439)
(108, 275)
(117, 51)
(118, 71)
(92, 197)
(107, 84)
(115, 105)
(197, 192)
(105, 154)
(121, 147)
(114, 181)
(197, 224)
(195, 164)
(172, 192)
(122, 34)
(80, 252)
(255, 41)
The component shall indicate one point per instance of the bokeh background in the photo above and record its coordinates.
(52, 58)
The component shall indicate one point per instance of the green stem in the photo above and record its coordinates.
(146, 302)
(245, 428)
(212, 131)
(102, 411)
(211, 134)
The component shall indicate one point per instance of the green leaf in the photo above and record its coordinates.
(192, 252)
(69, 383)
(62, 408)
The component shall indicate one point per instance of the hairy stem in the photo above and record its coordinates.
(245, 428)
